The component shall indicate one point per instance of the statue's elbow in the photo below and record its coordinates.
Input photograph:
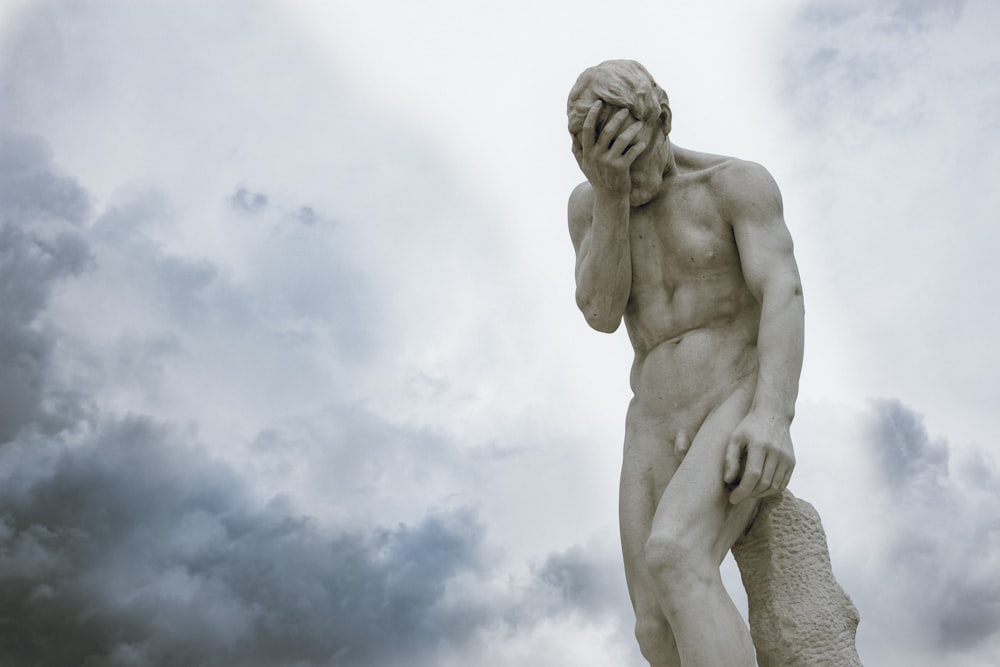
(604, 325)
(603, 322)
(600, 314)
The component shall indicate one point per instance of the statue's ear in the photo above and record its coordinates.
(665, 117)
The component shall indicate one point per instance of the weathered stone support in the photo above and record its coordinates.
(799, 614)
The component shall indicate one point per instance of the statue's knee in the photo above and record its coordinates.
(656, 641)
(677, 563)
(667, 554)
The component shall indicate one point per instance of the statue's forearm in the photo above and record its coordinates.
(604, 274)
(779, 349)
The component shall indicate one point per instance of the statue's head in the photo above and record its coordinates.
(618, 83)
(625, 84)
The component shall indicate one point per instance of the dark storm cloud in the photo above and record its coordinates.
(39, 245)
(942, 565)
(132, 547)
(123, 543)
(132, 543)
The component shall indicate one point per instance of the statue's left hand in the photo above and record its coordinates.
(759, 456)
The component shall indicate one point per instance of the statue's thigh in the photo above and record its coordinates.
(696, 503)
(649, 458)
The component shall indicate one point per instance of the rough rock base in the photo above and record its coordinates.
(799, 614)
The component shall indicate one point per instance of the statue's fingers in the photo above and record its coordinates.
(626, 136)
(734, 451)
(786, 478)
(609, 134)
(751, 475)
(589, 123)
(634, 151)
(767, 476)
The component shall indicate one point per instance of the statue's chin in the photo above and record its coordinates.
(644, 190)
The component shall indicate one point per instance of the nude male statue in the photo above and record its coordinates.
(692, 251)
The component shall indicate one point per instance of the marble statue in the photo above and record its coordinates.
(692, 252)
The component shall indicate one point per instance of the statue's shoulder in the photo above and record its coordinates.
(738, 185)
(746, 171)
(747, 189)
(719, 168)
(749, 184)
(743, 176)
(732, 177)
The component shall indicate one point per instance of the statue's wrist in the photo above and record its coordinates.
(774, 413)
(607, 196)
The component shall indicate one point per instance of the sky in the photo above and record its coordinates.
(291, 371)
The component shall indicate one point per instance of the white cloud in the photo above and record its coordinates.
(898, 118)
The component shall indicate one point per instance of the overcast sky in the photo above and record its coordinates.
(291, 371)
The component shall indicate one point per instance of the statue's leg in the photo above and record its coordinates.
(693, 528)
(638, 495)
(799, 614)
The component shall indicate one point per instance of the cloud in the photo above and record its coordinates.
(893, 107)
(306, 215)
(40, 244)
(577, 581)
(939, 554)
(912, 527)
(30, 187)
(140, 526)
(867, 61)
(131, 543)
(248, 202)
(123, 542)
(908, 458)
(895, 14)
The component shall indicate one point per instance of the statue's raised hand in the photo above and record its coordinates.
(606, 156)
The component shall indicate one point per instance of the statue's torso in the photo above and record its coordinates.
(690, 316)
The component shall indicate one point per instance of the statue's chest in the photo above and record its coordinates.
(680, 243)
